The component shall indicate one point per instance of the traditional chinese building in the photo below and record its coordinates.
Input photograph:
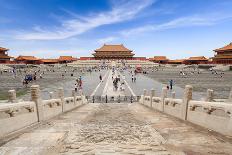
(27, 60)
(86, 58)
(196, 60)
(113, 52)
(223, 55)
(159, 59)
(66, 59)
(177, 61)
(48, 61)
(4, 58)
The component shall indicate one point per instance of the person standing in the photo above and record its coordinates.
(171, 84)
(132, 78)
(34, 77)
(123, 78)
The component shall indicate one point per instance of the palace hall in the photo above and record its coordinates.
(113, 52)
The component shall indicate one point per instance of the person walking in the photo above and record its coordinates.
(171, 84)
(122, 86)
(100, 77)
(115, 84)
(80, 82)
(76, 87)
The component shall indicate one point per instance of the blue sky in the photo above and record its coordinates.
(175, 28)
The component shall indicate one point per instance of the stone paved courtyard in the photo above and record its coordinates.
(51, 81)
(154, 80)
(221, 84)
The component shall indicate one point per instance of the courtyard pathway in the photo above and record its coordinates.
(109, 88)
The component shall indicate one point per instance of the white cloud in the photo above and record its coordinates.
(79, 25)
(106, 40)
(195, 20)
(47, 53)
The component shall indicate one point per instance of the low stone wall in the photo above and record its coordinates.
(216, 116)
(16, 115)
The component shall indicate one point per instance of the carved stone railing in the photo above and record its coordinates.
(147, 100)
(52, 102)
(213, 115)
(216, 116)
(51, 108)
(157, 103)
(69, 103)
(13, 109)
(173, 107)
(210, 107)
(15, 115)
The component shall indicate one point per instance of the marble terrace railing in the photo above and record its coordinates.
(16, 115)
(216, 116)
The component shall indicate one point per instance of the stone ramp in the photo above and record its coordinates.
(122, 128)
(113, 129)
(115, 149)
(33, 143)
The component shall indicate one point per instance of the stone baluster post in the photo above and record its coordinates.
(12, 96)
(144, 94)
(164, 95)
(173, 97)
(74, 96)
(61, 96)
(188, 92)
(151, 96)
(81, 94)
(51, 94)
(35, 97)
(209, 97)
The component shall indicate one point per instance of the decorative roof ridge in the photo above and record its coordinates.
(113, 48)
(224, 48)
